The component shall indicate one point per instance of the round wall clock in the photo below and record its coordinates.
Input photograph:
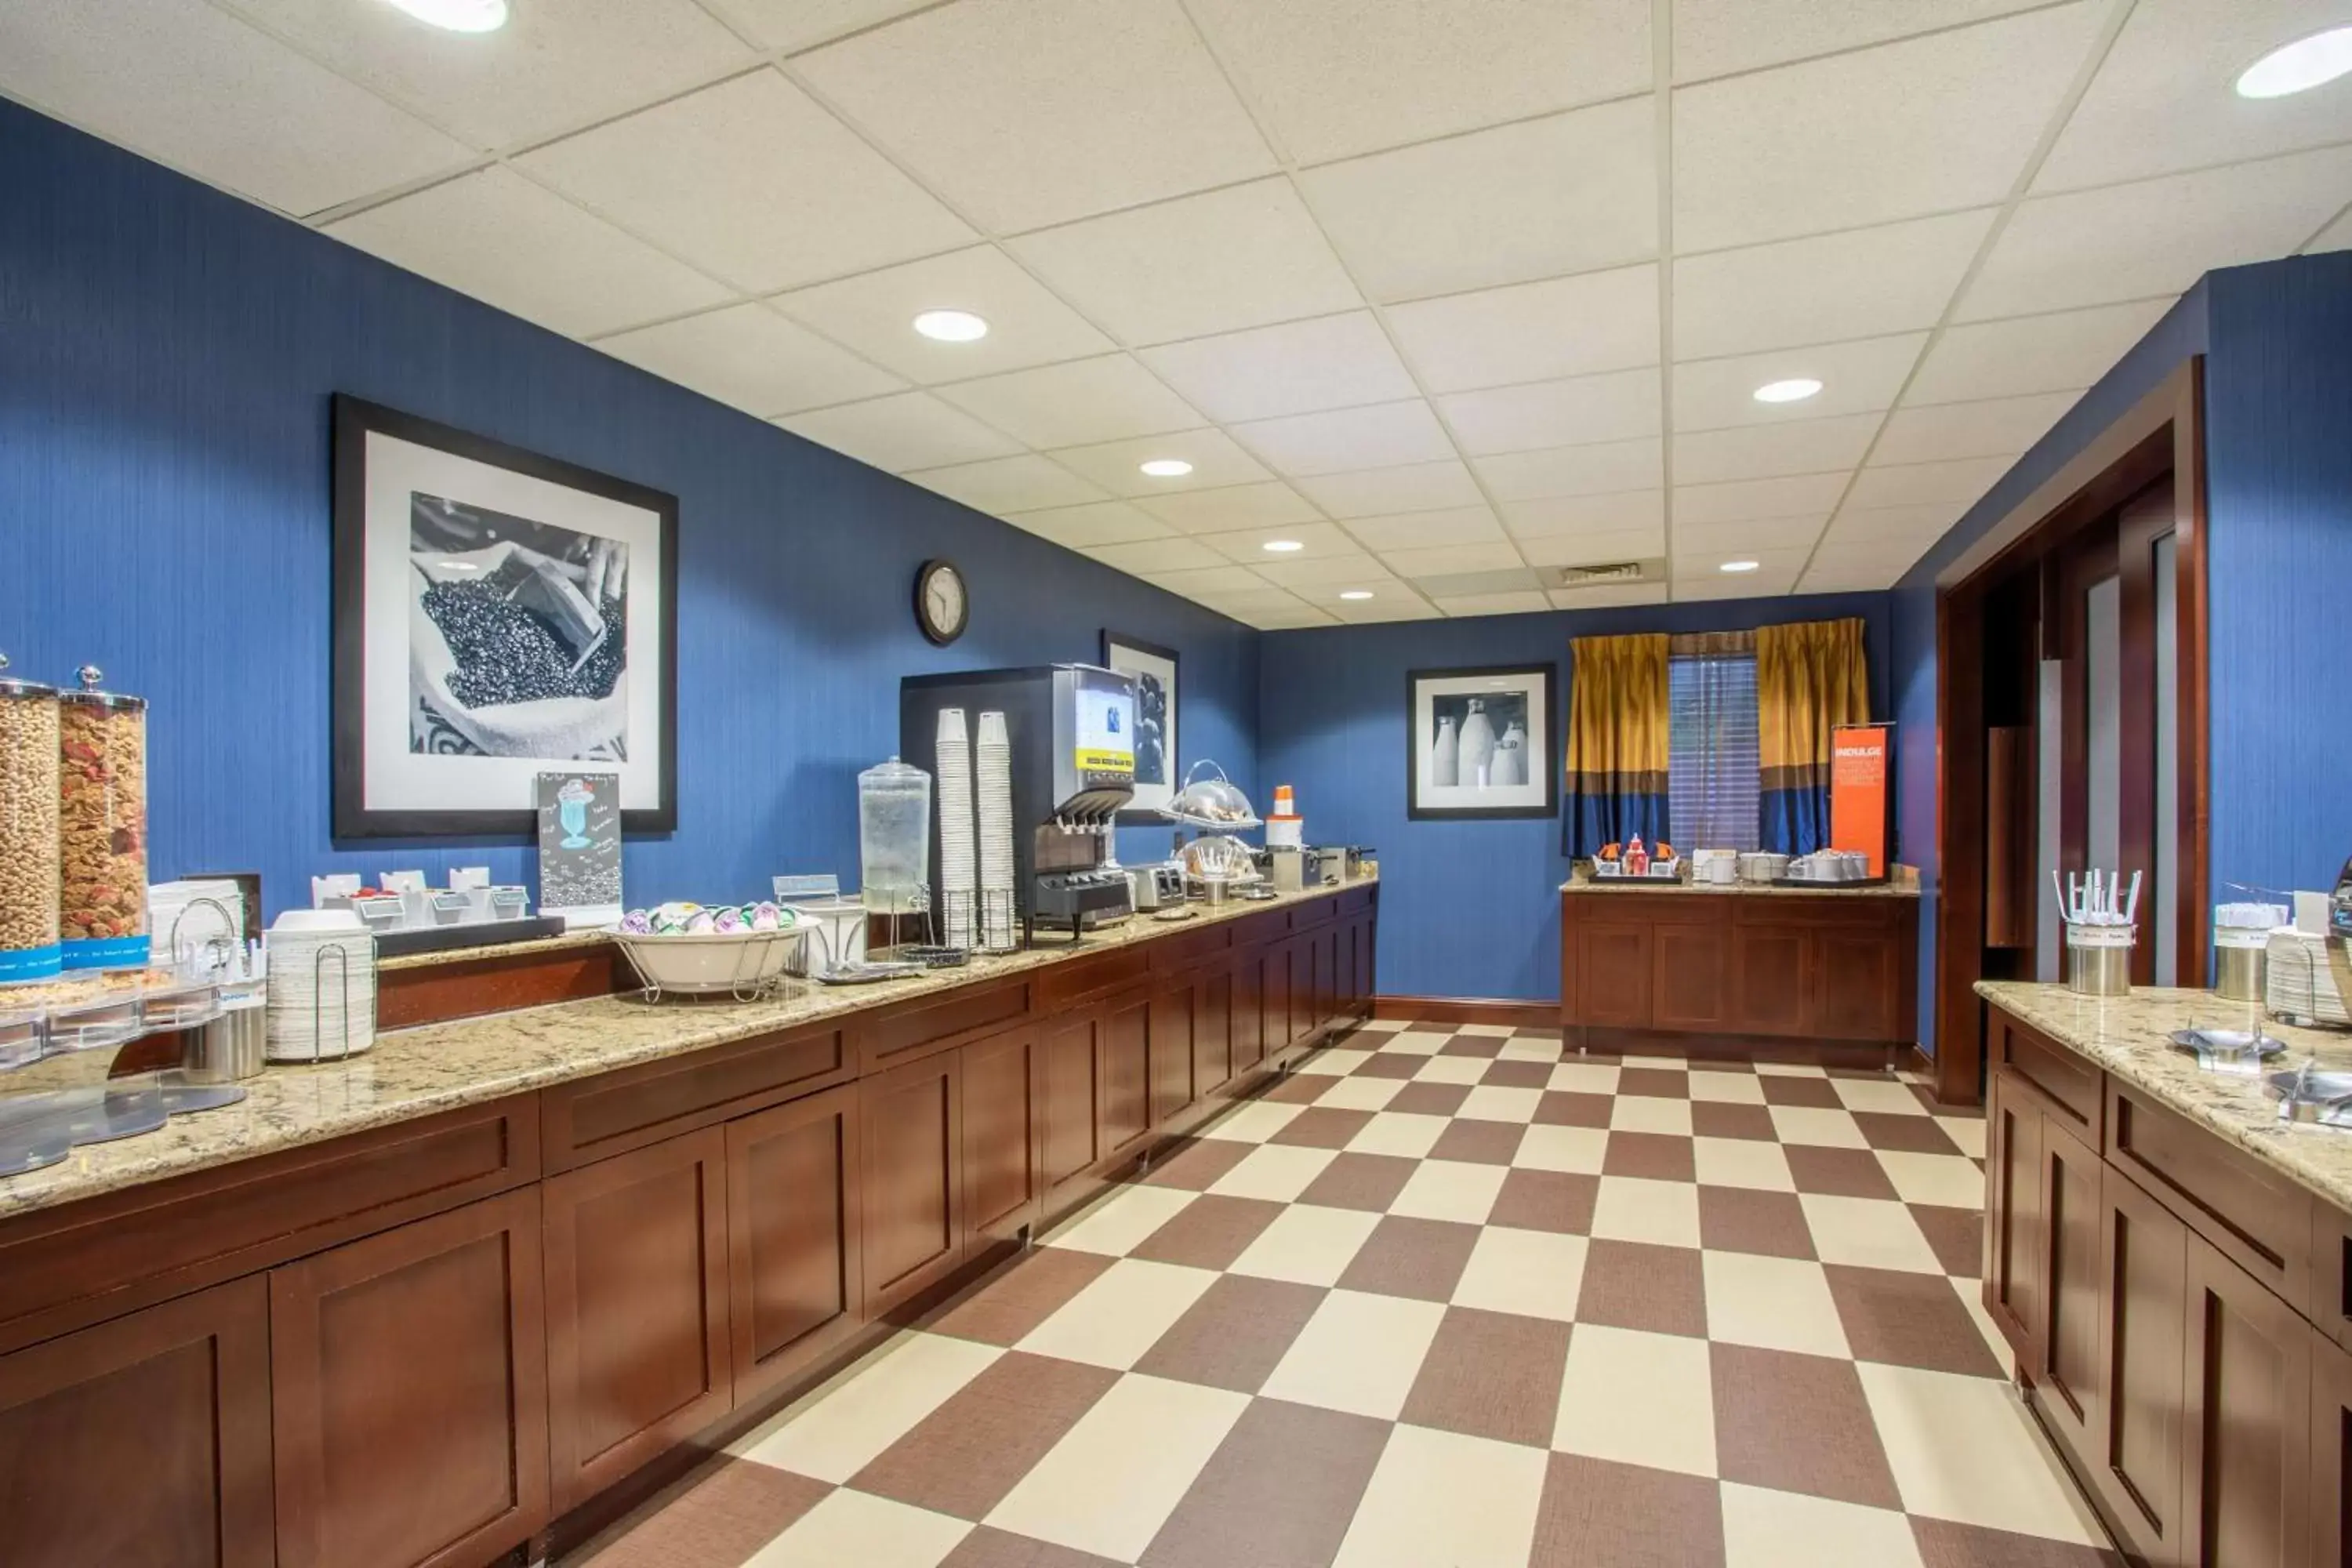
(942, 604)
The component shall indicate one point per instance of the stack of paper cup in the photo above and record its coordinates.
(995, 782)
(958, 862)
(322, 986)
(1285, 829)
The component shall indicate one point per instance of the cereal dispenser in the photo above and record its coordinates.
(28, 828)
(102, 825)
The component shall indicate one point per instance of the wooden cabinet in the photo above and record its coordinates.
(1213, 1033)
(144, 1440)
(795, 1275)
(1690, 983)
(408, 1391)
(1171, 1023)
(1273, 998)
(2246, 1420)
(1853, 985)
(1767, 979)
(2015, 1233)
(1247, 1020)
(2134, 1459)
(1613, 962)
(1000, 1133)
(2331, 1453)
(638, 1344)
(1125, 1073)
(1070, 1106)
(911, 1139)
(2069, 1375)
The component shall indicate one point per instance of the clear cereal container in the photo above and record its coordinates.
(102, 825)
(28, 831)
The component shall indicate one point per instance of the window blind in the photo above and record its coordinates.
(1713, 768)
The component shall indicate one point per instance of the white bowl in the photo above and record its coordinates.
(701, 963)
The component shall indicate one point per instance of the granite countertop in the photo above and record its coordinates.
(1903, 884)
(434, 1068)
(2127, 1036)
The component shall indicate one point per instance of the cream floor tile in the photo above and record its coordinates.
(1655, 1061)
(1452, 1069)
(1253, 1122)
(871, 1531)
(1534, 1273)
(1493, 1103)
(1790, 1069)
(1773, 1303)
(1417, 1041)
(1768, 1529)
(1951, 1181)
(838, 1429)
(1742, 1163)
(1121, 1314)
(1117, 1224)
(1114, 1479)
(1727, 1087)
(1380, 1026)
(1964, 1448)
(1360, 1093)
(1574, 1076)
(1398, 1132)
(1968, 1131)
(1446, 1189)
(1490, 1031)
(1868, 1232)
(1634, 1208)
(1359, 1352)
(1577, 1150)
(1337, 1061)
(1638, 1399)
(1817, 1125)
(1886, 1096)
(1529, 1051)
(1972, 1295)
(1644, 1113)
(1439, 1498)
(1276, 1172)
(1307, 1245)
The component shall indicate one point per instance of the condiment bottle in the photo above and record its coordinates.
(1637, 860)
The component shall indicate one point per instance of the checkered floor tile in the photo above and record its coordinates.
(1444, 1298)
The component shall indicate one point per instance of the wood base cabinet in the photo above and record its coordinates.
(795, 1280)
(913, 1186)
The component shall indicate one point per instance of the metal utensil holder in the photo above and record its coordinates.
(2098, 960)
(988, 916)
(318, 998)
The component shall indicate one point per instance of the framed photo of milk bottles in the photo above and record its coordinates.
(1483, 743)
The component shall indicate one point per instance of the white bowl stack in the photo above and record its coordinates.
(995, 769)
(322, 986)
(957, 863)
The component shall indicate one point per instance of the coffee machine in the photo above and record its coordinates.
(1071, 733)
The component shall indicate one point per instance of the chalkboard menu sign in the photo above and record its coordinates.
(579, 847)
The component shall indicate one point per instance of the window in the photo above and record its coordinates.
(1712, 763)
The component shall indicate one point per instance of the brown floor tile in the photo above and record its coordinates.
(1956, 1235)
(1320, 1127)
(1909, 1320)
(1560, 1108)
(1837, 1173)
(1656, 1082)
(1911, 1135)
(1656, 1156)
(1596, 1514)
(1714, 1119)
(1547, 1200)
(1195, 1163)
(1472, 1045)
(1735, 1219)
(1209, 1232)
(1535, 1032)
(987, 1548)
(1815, 1091)
(1479, 1143)
(1003, 1309)
(1366, 1182)
(1799, 1422)
(1279, 1492)
(1944, 1544)
(1519, 1075)
(1234, 1336)
(1491, 1374)
(732, 1508)
(1634, 1284)
(1390, 1064)
(965, 1455)
(1422, 1259)
(1431, 1098)
(1299, 1088)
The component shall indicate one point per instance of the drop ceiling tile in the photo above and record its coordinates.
(1550, 516)
(1384, 492)
(751, 358)
(1091, 525)
(874, 312)
(1513, 579)
(1928, 124)
(1772, 452)
(1519, 603)
(1533, 331)
(1849, 577)
(1299, 367)
(1621, 405)
(1333, 572)
(1287, 621)
(1028, 113)
(1248, 547)
(1117, 465)
(2336, 236)
(1002, 485)
(801, 24)
(1077, 402)
(2002, 427)
(2156, 237)
(1260, 595)
(1159, 555)
(1714, 37)
(1234, 506)
(1858, 284)
(908, 430)
(499, 237)
(1604, 468)
(1749, 537)
(1231, 582)
(1856, 378)
(1705, 565)
(1806, 495)
(1898, 556)
(1958, 482)
(1337, 77)
(1647, 543)
(752, 181)
(2061, 352)
(1891, 528)
(1217, 262)
(550, 69)
(1747, 585)
(1615, 596)
(1462, 213)
(1383, 608)
(1423, 530)
(183, 83)
(1446, 561)
(1385, 434)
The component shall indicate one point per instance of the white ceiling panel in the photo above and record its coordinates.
(1617, 596)
(179, 81)
(1766, 584)
(1217, 460)
(1077, 402)
(1772, 452)
(908, 430)
(2061, 352)
(1547, 517)
(1248, 548)
(874, 312)
(1385, 493)
(2336, 236)
(802, 23)
(1300, 367)
(1339, 76)
(2156, 237)
(1898, 558)
(1217, 262)
(1533, 331)
(1602, 468)
(1003, 485)
(1160, 555)
(1525, 602)
(1286, 621)
(1748, 538)
(502, 239)
(1232, 508)
(752, 181)
(1928, 124)
(1399, 605)
(2002, 426)
(1331, 571)
(1424, 529)
(1596, 549)
(749, 357)
(1620, 406)
(1716, 37)
(1384, 436)
(1228, 582)
(1806, 495)
(1092, 525)
(1891, 528)
(1027, 112)
(1957, 483)
(1856, 378)
(1842, 577)
(1859, 284)
(1464, 213)
(1705, 566)
(551, 67)
(1501, 555)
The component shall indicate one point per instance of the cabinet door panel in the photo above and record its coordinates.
(1248, 1018)
(2136, 1463)
(2071, 1206)
(1855, 985)
(913, 1188)
(2331, 1453)
(1212, 1034)
(1273, 997)
(1690, 980)
(2249, 1420)
(2014, 1239)
(1073, 1100)
(1000, 1132)
(1171, 1054)
(1127, 1074)
(795, 1283)
(1615, 963)
(1767, 984)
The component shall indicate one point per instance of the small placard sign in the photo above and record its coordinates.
(579, 847)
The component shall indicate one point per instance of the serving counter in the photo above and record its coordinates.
(426, 1305)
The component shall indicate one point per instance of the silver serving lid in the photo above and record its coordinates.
(13, 688)
(1210, 803)
(89, 695)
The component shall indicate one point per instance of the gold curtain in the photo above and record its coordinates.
(1617, 728)
(1809, 678)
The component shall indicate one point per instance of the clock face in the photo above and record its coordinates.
(941, 602)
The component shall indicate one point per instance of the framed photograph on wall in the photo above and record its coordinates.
(498, 614)
(1158, 773)
(1482, 742)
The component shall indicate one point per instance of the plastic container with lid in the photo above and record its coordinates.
(894, 835)
(102, 825)
(28, 829)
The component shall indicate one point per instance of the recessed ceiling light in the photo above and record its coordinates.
(2297, 67)
(1357, 594)
(1167, 467)
(1796, 389)
(951, 326)
(1282, 546)
(1739, 566)
(458, 16)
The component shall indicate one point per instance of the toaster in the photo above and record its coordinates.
(1156, 886)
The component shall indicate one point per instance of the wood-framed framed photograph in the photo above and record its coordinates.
(498, 614)
(1482, 742)
(1153, 670)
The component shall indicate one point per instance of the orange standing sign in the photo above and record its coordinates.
(1861, 802)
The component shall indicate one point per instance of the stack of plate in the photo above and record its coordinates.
(995, 760)
(957, 869)
(322, 986)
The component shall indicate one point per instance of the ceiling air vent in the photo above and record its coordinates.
(1600, 576)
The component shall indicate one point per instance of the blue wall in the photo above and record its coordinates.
(1467, 909)
(166, 355)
